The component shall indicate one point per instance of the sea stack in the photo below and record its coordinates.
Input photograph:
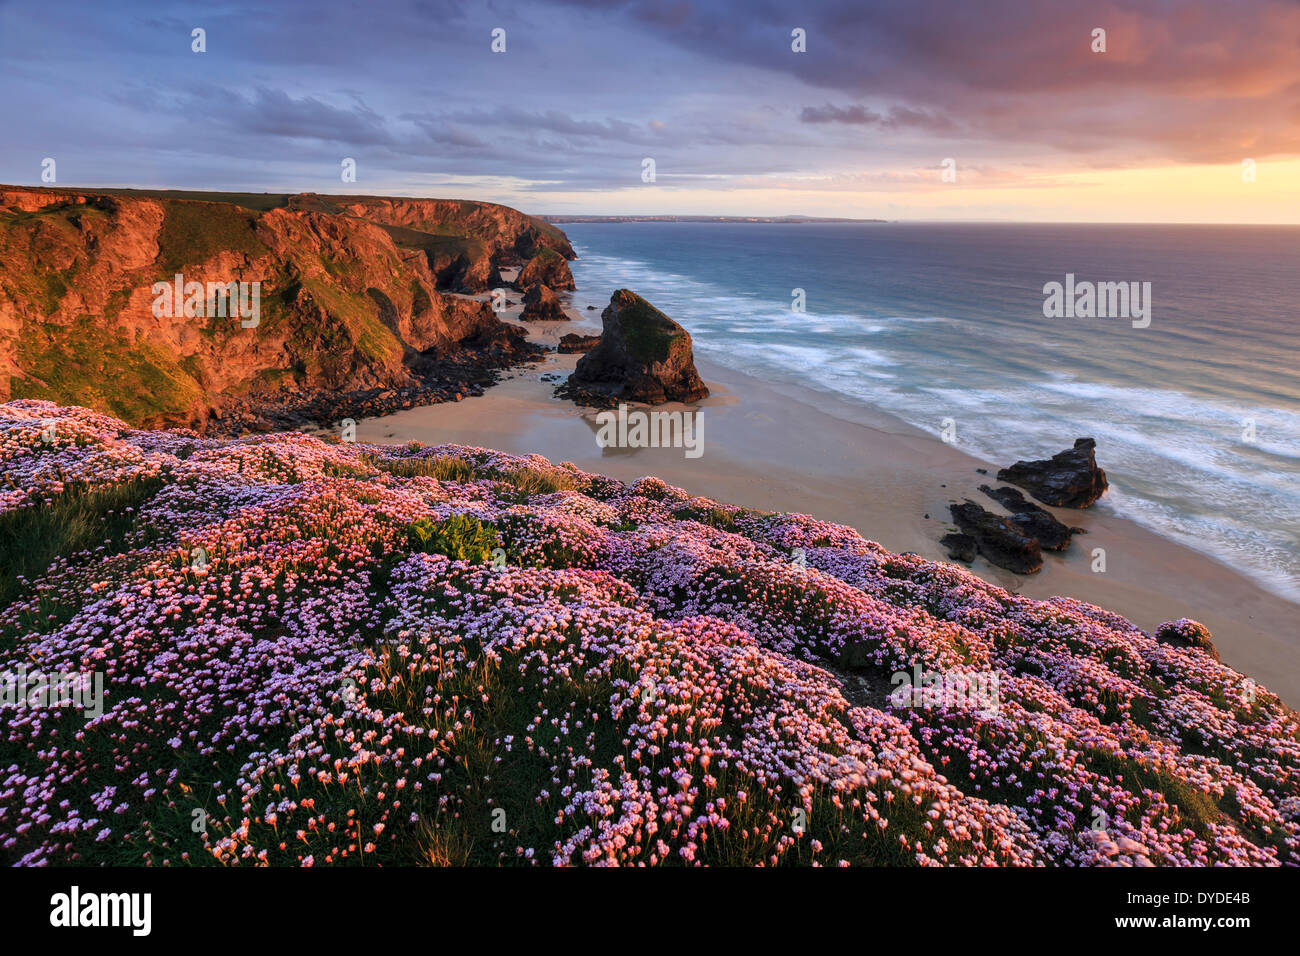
(643, 356)
(542, 305)
(547, 268)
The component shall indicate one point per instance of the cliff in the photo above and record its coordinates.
(355, 297)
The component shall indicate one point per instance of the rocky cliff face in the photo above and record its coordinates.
(353, 295)
(547, 268)
(464, 241)
(500, 228)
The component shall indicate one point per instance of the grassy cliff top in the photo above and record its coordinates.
(311, 202)
(331, 654)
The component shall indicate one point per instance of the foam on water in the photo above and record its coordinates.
(947, 322)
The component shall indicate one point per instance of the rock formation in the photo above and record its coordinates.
(542, 305)
(1032, 520)
(572, 342)
(643, 356)
(961, 547)
(548, 268)
(997, 538)
(1070, 479)
(352, 304)
(465, 242)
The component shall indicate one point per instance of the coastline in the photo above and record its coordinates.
(787, 448)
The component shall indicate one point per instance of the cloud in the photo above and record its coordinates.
(1023, 71)
(899, 117)
(854, 115)
(709, 88)
(275, 113)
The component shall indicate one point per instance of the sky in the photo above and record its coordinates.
(1191, 113)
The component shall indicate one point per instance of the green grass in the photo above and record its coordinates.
(85, 364)
(447, 468)
(31, 538)
(370, 337)
(714, 517)
(534, 481)
(259, 202)
(194, 232)
(526, 479)
(313, 203)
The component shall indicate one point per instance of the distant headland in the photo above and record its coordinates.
(580, 218)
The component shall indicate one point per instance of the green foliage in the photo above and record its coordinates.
(459, 537)
(84, 364)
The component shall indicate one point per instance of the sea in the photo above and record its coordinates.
(1195, 405)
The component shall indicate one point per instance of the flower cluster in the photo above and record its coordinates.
(637, 676)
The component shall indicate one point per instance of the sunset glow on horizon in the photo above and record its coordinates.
(1121, 112)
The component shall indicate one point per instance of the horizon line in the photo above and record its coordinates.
(881, 220)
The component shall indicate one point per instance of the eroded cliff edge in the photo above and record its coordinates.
(363, 302)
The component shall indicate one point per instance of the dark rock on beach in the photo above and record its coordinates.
(1002, 542)
(573, 342)
(547, 268)
(542, 305)
(1070, 479)
(961, 547)
(1032, 520)
(643, 356)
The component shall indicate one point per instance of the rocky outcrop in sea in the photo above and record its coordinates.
(1069, 479)
(643, 356)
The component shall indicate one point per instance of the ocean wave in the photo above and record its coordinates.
(1178, 458)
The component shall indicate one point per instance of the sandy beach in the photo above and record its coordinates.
(782, 448)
